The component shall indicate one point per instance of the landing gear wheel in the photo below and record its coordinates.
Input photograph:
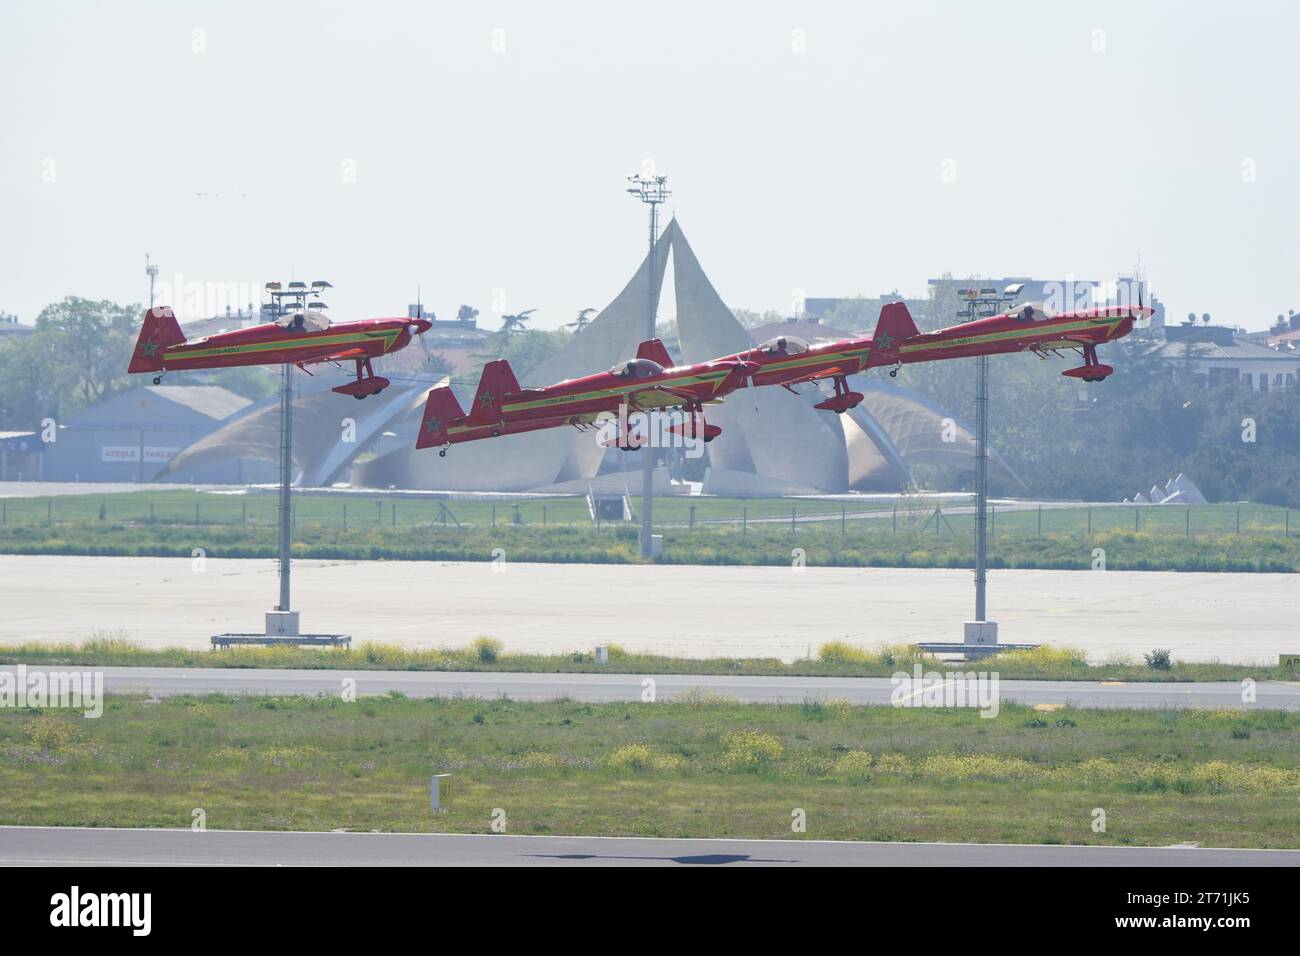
(157, 379)
(893, 373)
(358, 397)
(496, 433)
(442, 453)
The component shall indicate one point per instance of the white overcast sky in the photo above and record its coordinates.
(806, 146)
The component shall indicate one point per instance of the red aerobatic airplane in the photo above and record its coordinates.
(303, 337)
(788, 361)
(646, 383)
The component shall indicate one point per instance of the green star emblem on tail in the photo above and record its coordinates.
(886, 340)
(149, 348)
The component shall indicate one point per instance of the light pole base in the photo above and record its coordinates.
(656, 549)
(980, 632)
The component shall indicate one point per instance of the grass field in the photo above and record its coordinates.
(703, 768)
(834, 659)
(700, 530)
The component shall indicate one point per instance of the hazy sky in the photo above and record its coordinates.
(467, 148)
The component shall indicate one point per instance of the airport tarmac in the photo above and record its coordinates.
(631, 688)
(678, 610)
(86, 846)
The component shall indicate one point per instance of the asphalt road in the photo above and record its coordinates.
(167, 681)
(76, 846)
(676, 610)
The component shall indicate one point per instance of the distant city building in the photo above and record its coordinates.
(466, 317)
(1285, 332)
(9, 325)
(1220, 354)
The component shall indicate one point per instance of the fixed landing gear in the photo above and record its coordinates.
(158, 379)
(694, 427)
(1092, 370)
(843, 400)
(367, 382)
(697, 426)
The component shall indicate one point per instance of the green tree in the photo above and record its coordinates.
(29, 381)
(512, 324)
(583, 320)
(92, 344)
(525, 351)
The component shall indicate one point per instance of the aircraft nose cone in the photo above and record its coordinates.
(422, 326)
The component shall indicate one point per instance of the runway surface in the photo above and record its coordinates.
(601, 688)
(75, 846)
(684, 611)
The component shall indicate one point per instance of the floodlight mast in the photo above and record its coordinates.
(651, 190)
(286, 298)
(151, 271)
(983, 303)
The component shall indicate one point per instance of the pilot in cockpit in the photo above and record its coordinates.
(637, 368)
(304, 321)
(784, 345)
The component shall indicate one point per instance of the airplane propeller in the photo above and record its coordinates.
(418, 332)
(1140, 317)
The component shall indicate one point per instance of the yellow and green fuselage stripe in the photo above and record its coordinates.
(311, 345)
(1026, 333)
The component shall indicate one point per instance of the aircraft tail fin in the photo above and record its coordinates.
(654, 350)
(497, 382)
(440, 411)
(159, 332)
(894, 326)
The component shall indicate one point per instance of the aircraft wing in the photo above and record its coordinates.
(1058, 345)
(333, 357)
(817, 376)
(679, 396)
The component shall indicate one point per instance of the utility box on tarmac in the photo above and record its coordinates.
(981, 632)
(281, 623)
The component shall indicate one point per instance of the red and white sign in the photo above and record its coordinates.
(131, 453)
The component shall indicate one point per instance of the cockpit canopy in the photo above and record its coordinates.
(1031, 312)
(784, 345)
(304, 322)
(637, 368)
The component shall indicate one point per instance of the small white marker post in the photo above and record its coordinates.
(439, 789)
(602, 654)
